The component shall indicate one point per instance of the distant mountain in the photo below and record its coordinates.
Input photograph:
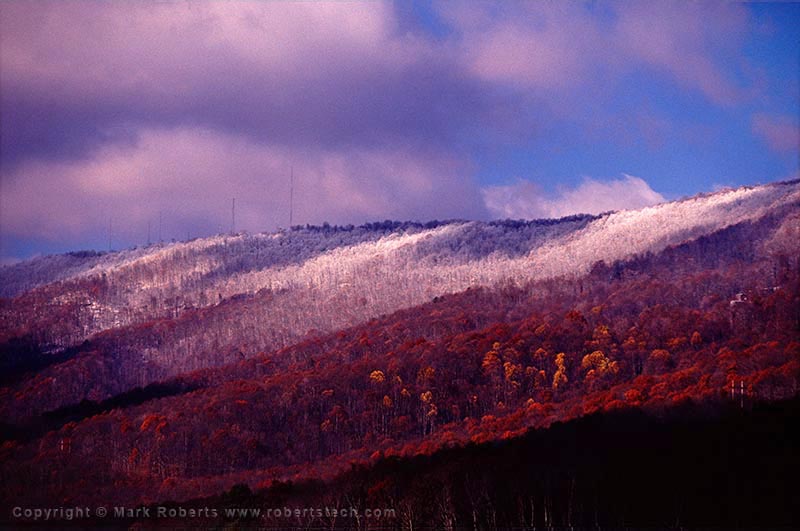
(62, 300)
(178, 370)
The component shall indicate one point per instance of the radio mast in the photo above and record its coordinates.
(233, 216)
(291, 197)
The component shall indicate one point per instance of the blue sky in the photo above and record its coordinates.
(120, 113)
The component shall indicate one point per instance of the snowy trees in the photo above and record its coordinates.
(368, 270)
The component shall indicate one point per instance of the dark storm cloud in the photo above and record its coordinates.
(112, 80)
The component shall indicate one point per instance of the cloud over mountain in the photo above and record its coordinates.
(188, 177)
(524, 199)
(384, 110)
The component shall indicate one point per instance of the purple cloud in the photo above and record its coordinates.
(780, 133)
(688, 41)
(80, 74)
(125, 109)
(550, 46)
(184, 173)
(131, 109)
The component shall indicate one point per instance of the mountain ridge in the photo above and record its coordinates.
(324, 264)
(123, 257)
(396, 346)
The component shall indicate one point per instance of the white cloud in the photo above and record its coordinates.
(526, 200)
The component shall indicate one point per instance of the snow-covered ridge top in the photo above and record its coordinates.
(325, 279)
(223, 255)
(619, 235)
(23, 276)
(554, 246)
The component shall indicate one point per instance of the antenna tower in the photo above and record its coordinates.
(291, 196)
(233, 215)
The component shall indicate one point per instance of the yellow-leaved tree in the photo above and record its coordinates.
(560, 378)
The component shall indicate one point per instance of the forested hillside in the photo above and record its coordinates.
(183, 370)
(692, 467)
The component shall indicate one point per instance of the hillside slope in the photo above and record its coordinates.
(209, 302)
(712, 319)
(384, 267)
